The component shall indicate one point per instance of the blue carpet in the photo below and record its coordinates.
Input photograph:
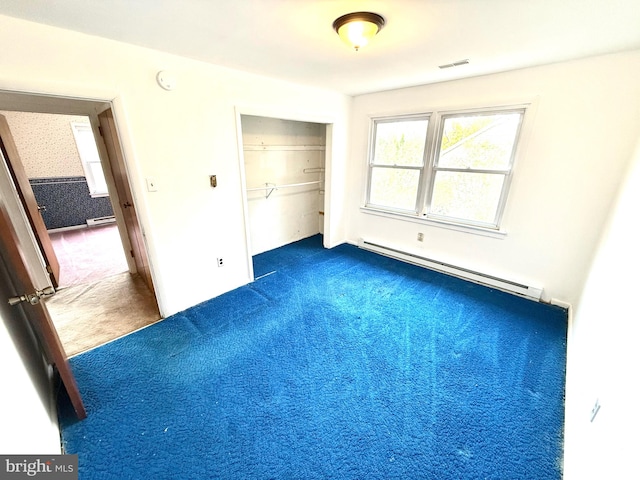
(340, 365)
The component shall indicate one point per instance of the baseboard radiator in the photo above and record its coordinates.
(530, 292)
(92, 222)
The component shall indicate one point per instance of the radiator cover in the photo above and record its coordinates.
(100, 220)
(531, 292)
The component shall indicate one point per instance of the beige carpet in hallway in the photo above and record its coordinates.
(87, 255)
(86, 316)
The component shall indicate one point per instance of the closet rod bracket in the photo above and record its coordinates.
(269, 188)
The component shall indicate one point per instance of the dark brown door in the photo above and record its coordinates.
(118, 168)
(28, 199)
(27, 297)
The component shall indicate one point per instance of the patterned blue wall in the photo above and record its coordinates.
(68, 202)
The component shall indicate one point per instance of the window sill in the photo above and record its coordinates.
(486, 232)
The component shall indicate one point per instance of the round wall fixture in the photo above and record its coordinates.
(166, 80)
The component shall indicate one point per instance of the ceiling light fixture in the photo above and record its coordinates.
(356, 29)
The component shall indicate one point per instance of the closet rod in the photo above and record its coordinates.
(271, 187)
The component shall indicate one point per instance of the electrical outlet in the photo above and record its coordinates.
(421, 237)
(220, 262)
(595, 410)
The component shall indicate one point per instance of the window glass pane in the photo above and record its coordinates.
(86, 143)
(479, 141)
(90, 158)
(467, 196)
(400, 142)
(394, 188)
(99, 183)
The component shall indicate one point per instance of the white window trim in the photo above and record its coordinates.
(428, 170)
(76, 127)
(370, 165)
(458, 227)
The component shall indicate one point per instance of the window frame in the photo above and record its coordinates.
(78, 128)
(421, 168)
(430, 167)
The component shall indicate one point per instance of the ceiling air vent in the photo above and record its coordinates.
(454, 64)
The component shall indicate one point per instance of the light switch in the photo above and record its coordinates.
(152, 186)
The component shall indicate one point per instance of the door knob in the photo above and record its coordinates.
(32, 298)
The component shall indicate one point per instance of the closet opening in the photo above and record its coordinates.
(284, 173)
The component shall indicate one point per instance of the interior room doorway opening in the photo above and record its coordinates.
(80, 327)
(284, 172)
(60, 158)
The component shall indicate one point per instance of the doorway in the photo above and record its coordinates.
(61, 161)
(101, 294)
(284, 170)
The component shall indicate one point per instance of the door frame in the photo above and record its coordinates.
(118, 170)
(90, 107)
(283, 114)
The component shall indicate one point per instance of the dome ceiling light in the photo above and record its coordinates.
(358, 28)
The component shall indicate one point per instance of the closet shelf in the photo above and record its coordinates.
(270, 187)
(320, 148)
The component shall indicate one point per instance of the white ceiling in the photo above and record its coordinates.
(293, 39)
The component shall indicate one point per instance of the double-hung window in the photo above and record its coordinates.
(90, 158)
(397, 163)
(451, 167)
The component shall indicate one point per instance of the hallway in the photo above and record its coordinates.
(98, 300)
(87, 255)
(90, 315)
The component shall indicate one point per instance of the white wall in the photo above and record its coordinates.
(178, 138)
(583, 129)
(604, 354)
